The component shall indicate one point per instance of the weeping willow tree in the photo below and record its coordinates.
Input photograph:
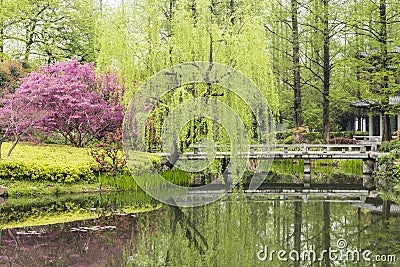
(144, 37)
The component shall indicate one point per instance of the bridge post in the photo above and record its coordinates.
(368, 169)
(307, 173)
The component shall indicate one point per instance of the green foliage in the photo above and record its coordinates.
(53, 163)
(120, 182)
(177, 176)
(108, 154)
(186, 31)
(141, 162)
(316, 137)
(312, 137)
(387, 146)
(48, 31)
(388, 172)
(60, 172)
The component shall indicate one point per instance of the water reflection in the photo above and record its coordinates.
(236, 231)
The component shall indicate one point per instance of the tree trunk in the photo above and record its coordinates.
(327, 73)
(296, 66)
(1, 36)
(386, 135)
(327, 232)
(298, 218)
(12, 147)
(1, 42)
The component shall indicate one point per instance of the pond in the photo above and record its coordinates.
(131, 229)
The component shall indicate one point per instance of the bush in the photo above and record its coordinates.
(282, 135)
(389, 146)
(54, 163)
(141, 162)
(108, 154)
(388, 172)
(312, 137)
(60, 172)
(347, 134)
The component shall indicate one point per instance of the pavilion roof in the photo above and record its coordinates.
(363, 103)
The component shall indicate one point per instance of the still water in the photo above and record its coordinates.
(131, 229)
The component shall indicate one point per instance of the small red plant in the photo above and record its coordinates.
(108, 154)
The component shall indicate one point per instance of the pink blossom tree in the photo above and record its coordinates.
(76, 102)
(18, 117)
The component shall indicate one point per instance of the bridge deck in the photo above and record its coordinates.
(318, 151)
(279, 155)
(364, 152)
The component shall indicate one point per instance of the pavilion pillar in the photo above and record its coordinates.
(380, 125)
(364, 125)
(370, 125)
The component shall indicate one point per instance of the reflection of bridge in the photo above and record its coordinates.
(307, 152)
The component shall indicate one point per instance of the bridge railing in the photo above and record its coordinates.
(324, 148)
(304, 148)
(368, 138)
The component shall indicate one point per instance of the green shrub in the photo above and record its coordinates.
(57, 163)
(60, 172)
(312, 137)
(282, 135)
(388, 172)
(346, 134)
(389, 146)
(141, 162)
(108, 154)
(361, 133)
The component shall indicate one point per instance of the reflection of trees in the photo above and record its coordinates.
(327, 232)
(224, 233)
(384, 240)
(192, 234)
(56, 245)
(298, 221)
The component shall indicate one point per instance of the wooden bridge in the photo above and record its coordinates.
(307, 152)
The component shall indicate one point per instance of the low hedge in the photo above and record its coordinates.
(57, 163)
(60, 172)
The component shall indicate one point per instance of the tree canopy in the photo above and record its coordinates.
(310, 59)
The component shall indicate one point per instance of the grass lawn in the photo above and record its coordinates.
(48, 154)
